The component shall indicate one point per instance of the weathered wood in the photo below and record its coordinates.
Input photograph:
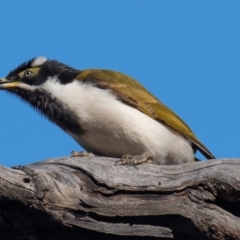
(90, 198)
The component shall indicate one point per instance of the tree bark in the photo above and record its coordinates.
(90, 198)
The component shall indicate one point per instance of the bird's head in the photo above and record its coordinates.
(35, 72)
(34, 82)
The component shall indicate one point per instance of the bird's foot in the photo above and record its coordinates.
(81, 154)
(135, 160)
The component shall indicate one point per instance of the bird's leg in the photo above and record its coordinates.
(135, 160)
(81, 154)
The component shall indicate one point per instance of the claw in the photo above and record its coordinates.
(135, 160)
(81, 154)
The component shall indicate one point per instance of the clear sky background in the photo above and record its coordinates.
(187, 53)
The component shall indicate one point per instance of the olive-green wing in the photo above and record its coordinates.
(134, 94)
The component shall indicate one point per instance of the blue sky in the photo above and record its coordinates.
(187, 53)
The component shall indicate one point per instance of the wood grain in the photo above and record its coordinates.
(89, 197)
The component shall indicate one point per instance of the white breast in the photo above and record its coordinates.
(115, 129)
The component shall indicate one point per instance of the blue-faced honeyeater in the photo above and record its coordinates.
(106, 112)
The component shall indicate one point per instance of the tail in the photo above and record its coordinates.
(200, 147)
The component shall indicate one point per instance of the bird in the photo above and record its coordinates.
(106, 112)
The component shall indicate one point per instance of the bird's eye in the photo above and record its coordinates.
(27, 74)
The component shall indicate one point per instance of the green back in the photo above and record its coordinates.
(134, 94)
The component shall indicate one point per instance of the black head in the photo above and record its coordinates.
(27, 80)
(37, 70)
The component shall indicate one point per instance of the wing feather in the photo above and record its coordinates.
(134, 94)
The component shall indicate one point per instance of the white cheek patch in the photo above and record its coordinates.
(38, 61)
(22, 85)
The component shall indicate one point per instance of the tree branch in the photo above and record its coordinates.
(91, 198)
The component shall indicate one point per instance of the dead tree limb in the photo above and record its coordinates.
(90, 198)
